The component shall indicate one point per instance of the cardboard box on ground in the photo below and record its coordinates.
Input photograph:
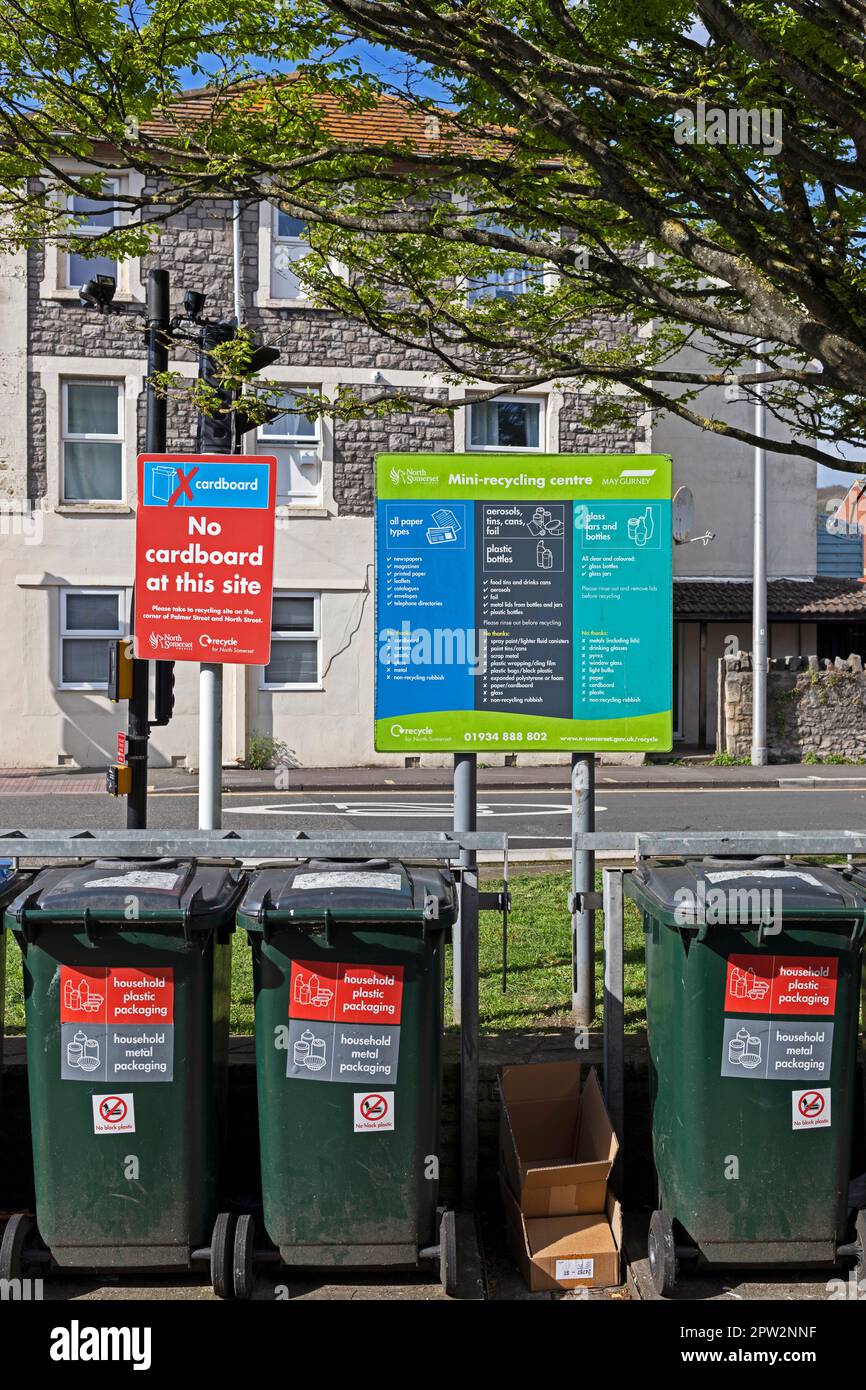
(556, 1151)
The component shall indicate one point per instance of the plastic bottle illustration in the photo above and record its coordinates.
(746, 985)
(544, 556)
(308, 989)
(641, 528)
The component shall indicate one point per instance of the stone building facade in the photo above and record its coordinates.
(74, 381)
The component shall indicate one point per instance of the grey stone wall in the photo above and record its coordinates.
(357, 442)
(812, 707)
(36, 450)
(577, 436)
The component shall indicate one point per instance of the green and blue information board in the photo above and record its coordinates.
(523, 603)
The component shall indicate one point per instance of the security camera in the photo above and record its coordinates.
(193, 303)
(98, 293)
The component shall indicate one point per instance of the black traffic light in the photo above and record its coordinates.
(260, 358)
(215, 434)
(163, 693)
(222, 432)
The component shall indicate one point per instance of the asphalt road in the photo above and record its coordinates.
(533, 820)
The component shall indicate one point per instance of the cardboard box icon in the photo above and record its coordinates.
(565, 1252)
(556, 1142)
(163, 481)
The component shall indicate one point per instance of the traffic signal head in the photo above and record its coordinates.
(215, 433)
(120, 670)
(163, 694)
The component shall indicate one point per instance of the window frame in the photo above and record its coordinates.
(271, 443)
(88, 634)
(315, 634)
(66, 437)
(115, 181)
(539, 448)
(278, 240)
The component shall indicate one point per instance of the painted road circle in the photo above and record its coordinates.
(374, 1108)
(112, 1109)
(811, 1104)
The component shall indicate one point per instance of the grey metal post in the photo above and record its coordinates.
(465, 816)
(614, 1004)
(210, 743)
(582, 881)
(759, 590)
(465, 938)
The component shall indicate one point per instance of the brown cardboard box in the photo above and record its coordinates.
(556, 1142)
(565, 1252)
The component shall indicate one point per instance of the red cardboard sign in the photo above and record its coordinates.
(204, 557)
(764, 984)
(336, 992)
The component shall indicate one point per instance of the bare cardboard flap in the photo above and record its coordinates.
(565, 1252)
(557, 1145)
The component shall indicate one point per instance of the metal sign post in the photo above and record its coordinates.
(465, 974)
(210, 743)
(465, 812)
(582, 902)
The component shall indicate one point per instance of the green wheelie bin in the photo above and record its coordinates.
(127, 971)
(753, 980)
(348, 972)
(11, 882)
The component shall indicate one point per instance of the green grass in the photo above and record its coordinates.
(539, 964)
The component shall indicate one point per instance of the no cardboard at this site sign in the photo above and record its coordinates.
(204, 557)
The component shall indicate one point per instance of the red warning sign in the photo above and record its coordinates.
(337, 992)
(811, 1104)
(373, 1110)
(113, 1109)
(811, 1109)
(765, 984)
(114, 1114)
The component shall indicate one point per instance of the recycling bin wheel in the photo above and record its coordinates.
(448, 1254)
(244, 1265)
(222, 1255)
(17, 1238)
(662, 1251)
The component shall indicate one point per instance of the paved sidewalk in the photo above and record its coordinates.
(532, 777)
(529, 778)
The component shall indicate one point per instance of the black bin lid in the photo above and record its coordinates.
(346, 887)
(166, 889)
(808, 890)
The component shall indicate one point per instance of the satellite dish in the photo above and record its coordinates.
(683, 515)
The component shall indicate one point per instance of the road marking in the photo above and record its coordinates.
(390, 810)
